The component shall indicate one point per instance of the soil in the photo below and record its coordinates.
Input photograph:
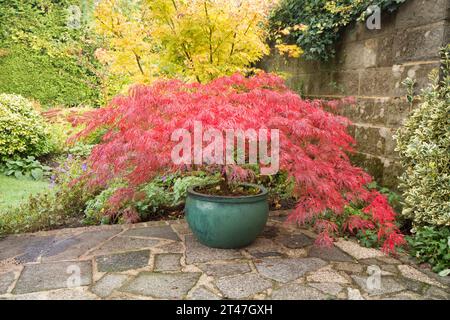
(406, 227)
(231, 191)
(282, 204)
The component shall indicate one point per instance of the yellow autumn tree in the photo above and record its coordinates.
(129, 55)
(195, 40)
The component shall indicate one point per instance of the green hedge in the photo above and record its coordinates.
(43, 59)
(51, 82)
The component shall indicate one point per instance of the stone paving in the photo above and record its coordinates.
(162, 260)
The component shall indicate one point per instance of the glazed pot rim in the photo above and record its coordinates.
(230, 199)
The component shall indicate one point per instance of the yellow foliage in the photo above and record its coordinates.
(196, 40)
(126, 27)
(292, 50)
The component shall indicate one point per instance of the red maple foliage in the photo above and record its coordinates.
(314, 143)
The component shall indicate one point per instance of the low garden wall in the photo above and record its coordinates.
(371, 65)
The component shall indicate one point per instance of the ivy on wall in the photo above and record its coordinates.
(315, 25)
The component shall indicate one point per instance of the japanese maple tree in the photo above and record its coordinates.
(314, 145)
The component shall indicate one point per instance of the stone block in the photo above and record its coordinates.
(76, 246)
(378, 82)
(6, 279)
(299, 84)
(357, 251)
(295, 241)
(197, 252)
(160, 232)
(316, 83)
(327, 287)
(122, 244)
(396, 111)
(369, 139)
(263, 247)
(75, 294)
(366, 111)
(384, 51)
(181, 228)
(417, 44)
(307, 66)
(327, 276)
(414, 274)
(387, 81)
(295, 291)
(219, 270)
(421, 12)
(35, 248)
(368, 53)
(168, 262)
(49, 276)
(418, 72)
(24, 248)
(202, 293)
(434, 293)
(390, 144)
(391, 174)
(387, 285)
(123, 261)
(288, 66)
(371, 164)
(359, 31)
(356, 55)
(447, 33)
(286, 270)
(329, 254)
(160, 285)
(349, 267)
(343, 83)
(110, 282)
(384, 170)
(242, 286)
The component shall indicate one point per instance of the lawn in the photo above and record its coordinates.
(14, 191)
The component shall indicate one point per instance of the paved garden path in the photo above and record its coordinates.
(163, 260)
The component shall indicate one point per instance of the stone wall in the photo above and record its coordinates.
(370, 65)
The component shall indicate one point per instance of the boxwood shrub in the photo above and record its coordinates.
(23, 131)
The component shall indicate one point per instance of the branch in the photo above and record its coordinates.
(138, 61)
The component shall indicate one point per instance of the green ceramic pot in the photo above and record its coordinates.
(226, 222)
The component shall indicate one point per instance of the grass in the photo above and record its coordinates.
(13, 191)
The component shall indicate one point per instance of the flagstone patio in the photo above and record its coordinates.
(162, 260)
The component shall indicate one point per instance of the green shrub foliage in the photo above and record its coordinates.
(432, 245)
(42, 58)
(28, 168)
(23, 131)
(424, 144)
